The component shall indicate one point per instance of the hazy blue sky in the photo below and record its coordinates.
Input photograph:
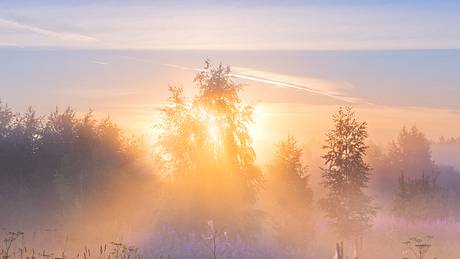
(415, 78)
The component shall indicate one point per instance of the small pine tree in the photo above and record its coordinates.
(346, 175)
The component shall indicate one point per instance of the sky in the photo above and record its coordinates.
(396, 62)
(231, 24)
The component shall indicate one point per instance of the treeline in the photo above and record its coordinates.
(207, 153)
(409, 184)
(56, 163)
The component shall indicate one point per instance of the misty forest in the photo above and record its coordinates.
(76, 185)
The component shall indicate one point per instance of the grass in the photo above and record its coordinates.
(14, 247)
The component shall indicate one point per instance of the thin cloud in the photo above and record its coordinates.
(312, 86)
(7, 44)
(182, 67)
(99, 62)
(67, 36)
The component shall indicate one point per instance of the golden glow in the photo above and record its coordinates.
(213, 132)
(274, 121)
(213, 128)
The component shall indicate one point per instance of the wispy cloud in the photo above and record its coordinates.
(299, 26)
(310, 85)
(8, 44)
(66, 36)
(182, 67)
(97, 62)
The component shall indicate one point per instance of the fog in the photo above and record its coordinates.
(76, 186)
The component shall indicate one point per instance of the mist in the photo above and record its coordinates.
(78, 185)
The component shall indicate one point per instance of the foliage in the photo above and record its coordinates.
(15, 245)
(420, 199)
(411, 153)
(56, 163)
(346, 175)
(409, 182)
(206, 149)
(287, 184)
(419, 246)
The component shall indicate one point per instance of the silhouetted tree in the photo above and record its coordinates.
(205, 147)
(53, 164)
(420, 199)
(346, 176)
(6, 120)
(418, 196)
(410, 154)
(287, 184)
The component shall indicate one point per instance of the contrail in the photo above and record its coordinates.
(282, 84)
(266, 80)
(182, 67)
(274, 82)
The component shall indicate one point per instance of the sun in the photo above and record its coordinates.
(213, 132)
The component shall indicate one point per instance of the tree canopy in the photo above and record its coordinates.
(346, 175)
(290, 194)
(57, 163)
(410, 154)
(206, 148)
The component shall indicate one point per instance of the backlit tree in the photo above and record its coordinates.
(207, 153)
(346, 176)
(289, 193)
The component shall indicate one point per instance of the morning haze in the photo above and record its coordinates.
(203, 129)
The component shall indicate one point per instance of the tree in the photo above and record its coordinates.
(19, 141)
(408, 155)
(420, 199)
(346, 175)
(55, 164)
(287, 184)
(6, 119)
(419, 195)
(207, 152)
(411, 154)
